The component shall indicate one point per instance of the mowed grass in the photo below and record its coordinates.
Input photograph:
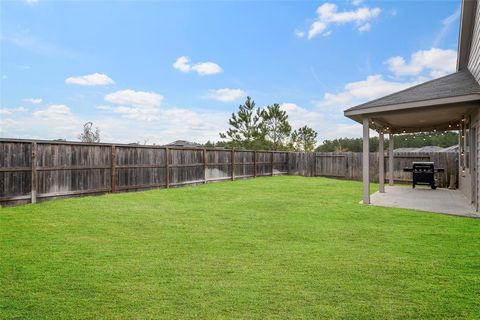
(282, 247)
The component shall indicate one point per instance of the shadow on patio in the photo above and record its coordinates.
(445, 201)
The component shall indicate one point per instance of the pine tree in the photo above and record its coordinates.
(275, 125)
(245, 127)
(303, 139)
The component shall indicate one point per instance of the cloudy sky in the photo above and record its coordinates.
(161, 71)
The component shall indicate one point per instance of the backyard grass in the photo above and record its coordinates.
(282, 247)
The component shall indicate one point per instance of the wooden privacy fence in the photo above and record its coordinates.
(348, 165)
(34, 169)
(31, 170)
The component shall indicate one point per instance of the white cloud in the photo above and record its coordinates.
(207, 68)
(225, 94)
(316, 28)
(328, 14)
(437, 62)
(9, 111)
(452, 18)
(320, 121)
(54, 112)
(353, 93)
(182, 64)
(24, 39)
(118, 121)
(6, 124)
(327, 33)
(53, 122)
(447, 24)
(33, 100)
(299, 34)
(135, 98)
(357, 2)
(138, 105)
(364, 28)
(299, 116)
(103, 107)
(202, 68)
(95, 79)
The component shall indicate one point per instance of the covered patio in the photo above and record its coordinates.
(445, 104)
(445, 201)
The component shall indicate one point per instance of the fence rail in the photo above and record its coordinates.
(39, 169)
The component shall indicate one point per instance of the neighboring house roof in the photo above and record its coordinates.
(451, 149)
(428, 149)
(184, 143)
(405, 150)
(421, 149)
(458, 84)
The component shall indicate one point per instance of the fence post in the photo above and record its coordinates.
(271, 163)
(254, 164)
(34, 173)
(167, 169)
(233, 164)
(113, 171)
(204, 165)
(288, 163)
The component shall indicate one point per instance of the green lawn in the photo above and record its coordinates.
(282, 247)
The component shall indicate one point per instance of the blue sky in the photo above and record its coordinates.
(161, 71)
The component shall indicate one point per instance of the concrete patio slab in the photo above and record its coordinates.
(425, 199)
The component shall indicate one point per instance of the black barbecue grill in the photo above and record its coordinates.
(423, 173)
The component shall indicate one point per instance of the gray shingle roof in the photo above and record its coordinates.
(460, 83)
(184, 143)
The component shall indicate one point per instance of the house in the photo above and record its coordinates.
(448, 103)
(183, 144)
(428, 149)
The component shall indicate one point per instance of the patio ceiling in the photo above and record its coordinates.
(433, 118)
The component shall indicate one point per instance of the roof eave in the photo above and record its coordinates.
(356, 114)
(465, 33)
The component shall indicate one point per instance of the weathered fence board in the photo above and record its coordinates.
(31, 169)
(70, 168)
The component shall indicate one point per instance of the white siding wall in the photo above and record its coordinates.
(466, 178)
(465, 182)
(474, 57)
(476, 176)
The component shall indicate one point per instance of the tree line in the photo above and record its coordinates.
(408, 140)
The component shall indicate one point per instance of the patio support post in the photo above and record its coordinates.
(366, 162)
(381, 163)
(390, 159)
